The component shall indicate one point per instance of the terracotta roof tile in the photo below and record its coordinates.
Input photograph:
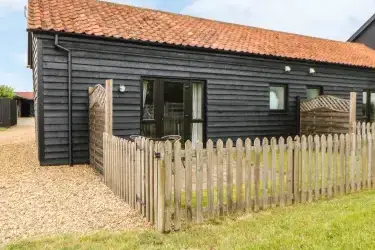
(26, 95)
(101, 18)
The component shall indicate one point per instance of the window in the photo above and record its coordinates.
(277, 97)
(313, 92)
(197, 121)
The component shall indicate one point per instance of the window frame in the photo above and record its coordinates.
(286, 98)
(321, 89)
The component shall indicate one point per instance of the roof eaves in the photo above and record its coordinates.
(180, 46)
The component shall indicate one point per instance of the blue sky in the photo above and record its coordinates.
(333, 19)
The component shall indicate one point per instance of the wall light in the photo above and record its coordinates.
(288, 69)
(122, 88)
(312, 71)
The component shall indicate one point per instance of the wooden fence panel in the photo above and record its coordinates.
(161, 179)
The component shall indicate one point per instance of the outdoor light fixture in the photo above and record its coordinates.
(312, 71)
(287, 69)
(122, 88)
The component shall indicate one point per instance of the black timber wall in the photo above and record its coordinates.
(237, 89)
(37, 70)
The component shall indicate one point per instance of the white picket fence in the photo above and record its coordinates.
(174, 184)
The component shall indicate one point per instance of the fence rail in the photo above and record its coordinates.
(174, 184)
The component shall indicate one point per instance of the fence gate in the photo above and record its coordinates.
(100, 120)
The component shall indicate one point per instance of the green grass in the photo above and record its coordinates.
(3, 129)
(342, 223)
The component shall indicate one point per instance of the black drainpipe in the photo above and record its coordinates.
(69, 96)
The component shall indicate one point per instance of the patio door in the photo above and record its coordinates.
(368, 108)
(172, 107)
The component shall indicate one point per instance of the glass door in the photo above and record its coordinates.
(368, 109)
(172, 107)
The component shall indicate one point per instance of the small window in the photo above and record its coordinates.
(313, 92)
(277, 97)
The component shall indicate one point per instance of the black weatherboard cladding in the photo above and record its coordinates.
(237, 89)
(367, 36)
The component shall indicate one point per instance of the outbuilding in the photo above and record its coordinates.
(176, 74)
(25, 104)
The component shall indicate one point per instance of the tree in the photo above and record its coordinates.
(6, 92)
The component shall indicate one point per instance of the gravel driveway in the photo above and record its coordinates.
(38, 201)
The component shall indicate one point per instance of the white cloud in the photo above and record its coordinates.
(334, 19)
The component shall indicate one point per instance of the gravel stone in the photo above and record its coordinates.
(40, 201)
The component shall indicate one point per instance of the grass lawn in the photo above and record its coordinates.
(3, 129)
(343, 223)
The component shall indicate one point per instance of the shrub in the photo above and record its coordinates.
(6, 92)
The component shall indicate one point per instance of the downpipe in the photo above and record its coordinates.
(69, 53)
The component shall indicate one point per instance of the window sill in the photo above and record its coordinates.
(277, 112)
